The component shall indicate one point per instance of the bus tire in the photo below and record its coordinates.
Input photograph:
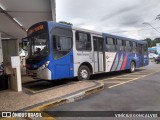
(157, 62)
(132, 67)
(83, 73)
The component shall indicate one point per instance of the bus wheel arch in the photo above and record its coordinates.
(84, 71)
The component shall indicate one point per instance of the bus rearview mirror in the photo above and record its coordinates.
(25, 43)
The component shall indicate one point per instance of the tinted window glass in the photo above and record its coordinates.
(39, 45)
(128, 47)
(110, 47)
(83, 41)
(110, 41)
(134, 44)
(98, 43)
(119, 42)
(119, 46)
(61, 46)
(134, 47)
(145, 48)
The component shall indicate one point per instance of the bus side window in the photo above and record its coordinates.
(124, 45)
(134, 48)
(110, 45)
(139, 49)
(145, 48)
(119, 45)
(83, 41)
(128, 47)
(61, 46)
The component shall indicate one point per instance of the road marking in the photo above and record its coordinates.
(131, 80)
(131, 75)
(138, 74)
(113, 81)
(118, 78)
(135, 74)
(124, 82)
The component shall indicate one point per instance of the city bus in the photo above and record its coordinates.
(57, 51)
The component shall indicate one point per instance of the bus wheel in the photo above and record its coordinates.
(83, 73)
(132, 67)
(157, 62)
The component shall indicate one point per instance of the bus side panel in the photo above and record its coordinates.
(146, 59)
(131, 57)
(62, 67)
(110, 60)
(81, 57)
(64, 70)
(116, 61)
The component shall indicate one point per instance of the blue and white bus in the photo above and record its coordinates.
(58, 51)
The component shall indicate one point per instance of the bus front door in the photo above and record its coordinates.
(98, 54)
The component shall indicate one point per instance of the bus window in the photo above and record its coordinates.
(145, 48)
(134, 47)
(110, 45)
(128, 47)
(83, 41)
(98, 44)
(61, 46)
(39, 45)
(119, 46)
(139, 48)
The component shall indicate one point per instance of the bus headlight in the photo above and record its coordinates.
(43, 66)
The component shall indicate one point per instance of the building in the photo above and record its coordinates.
(18, 15)
(155, 49)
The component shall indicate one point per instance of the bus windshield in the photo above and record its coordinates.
(39, 45)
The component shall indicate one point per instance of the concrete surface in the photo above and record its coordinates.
(12, 101)
(139, 95)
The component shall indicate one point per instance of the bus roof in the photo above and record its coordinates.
(98, 33)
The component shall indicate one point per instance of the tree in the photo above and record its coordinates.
(152, 43)
(155, 41)
(149, 41)
(67, 23)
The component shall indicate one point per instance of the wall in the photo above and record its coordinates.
(1, 55)
(10, 48)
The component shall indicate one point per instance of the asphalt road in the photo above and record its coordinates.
(125, 92)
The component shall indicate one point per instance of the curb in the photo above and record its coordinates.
(62, 101)
(69, 99)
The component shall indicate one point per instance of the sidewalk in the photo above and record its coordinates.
(12, 101)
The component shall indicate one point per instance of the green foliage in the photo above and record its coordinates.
(149, 41)
(152, 43)
(67, 23)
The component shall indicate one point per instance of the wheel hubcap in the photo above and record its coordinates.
(84, 74)
(132, 67)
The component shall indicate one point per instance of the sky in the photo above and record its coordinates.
(119, 17)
